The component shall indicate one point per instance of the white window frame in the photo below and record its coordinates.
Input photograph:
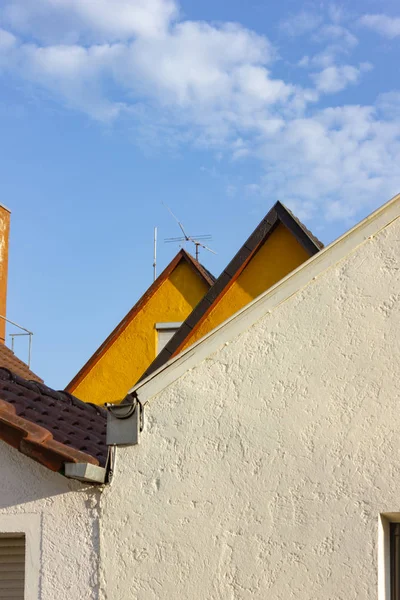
(384, 558)
(27, 524)
(165, 327)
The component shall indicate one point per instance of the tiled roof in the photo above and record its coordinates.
(278, 214)
(205, 273)
(49, 426)
(310, 234)
(12, 362)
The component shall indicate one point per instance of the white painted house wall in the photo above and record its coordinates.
(263, 470)
(60, 520)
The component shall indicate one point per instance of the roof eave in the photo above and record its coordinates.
(36, 442)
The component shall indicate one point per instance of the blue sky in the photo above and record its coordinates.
(109, 108)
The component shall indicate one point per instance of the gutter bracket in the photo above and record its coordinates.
(85, 472)
(125, 422)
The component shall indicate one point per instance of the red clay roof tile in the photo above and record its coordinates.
(51, 427)
(12, 362)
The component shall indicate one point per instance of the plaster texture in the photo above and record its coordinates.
(263, 470)
(61, 520)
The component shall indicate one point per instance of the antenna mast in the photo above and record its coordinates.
(195, 239)
(155, 255)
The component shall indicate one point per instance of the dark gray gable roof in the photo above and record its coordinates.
(278, 214)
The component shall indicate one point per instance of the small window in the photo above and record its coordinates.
(12, 566)
(165, 331)
(394, 561)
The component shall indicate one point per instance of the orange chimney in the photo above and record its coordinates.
(4, 236)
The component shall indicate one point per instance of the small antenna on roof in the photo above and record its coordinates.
(197, 240)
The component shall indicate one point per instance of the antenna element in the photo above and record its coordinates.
(195, 239)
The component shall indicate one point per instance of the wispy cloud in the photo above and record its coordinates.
(336, 78)
(67, 21)
(301, 23)
(389, 104)
(383, 24)
(335, 163)
(335, 33)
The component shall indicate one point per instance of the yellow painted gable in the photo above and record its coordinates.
(278, 256)
(131, 352)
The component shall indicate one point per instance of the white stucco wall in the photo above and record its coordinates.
(60, 518)
(263, 470)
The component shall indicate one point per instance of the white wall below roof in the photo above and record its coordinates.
(62, 517)
(263, 470)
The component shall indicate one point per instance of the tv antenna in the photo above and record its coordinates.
(197, 240)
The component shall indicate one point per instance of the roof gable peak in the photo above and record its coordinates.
(276, 215)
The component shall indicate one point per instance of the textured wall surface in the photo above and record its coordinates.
(119, 368)
(262, 472)
(68, 528)
(277, 257)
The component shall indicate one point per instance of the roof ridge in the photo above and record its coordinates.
(277, 214)
(305, 229)
(205, 272)
(59, 395)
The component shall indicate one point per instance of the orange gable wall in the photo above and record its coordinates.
(277, 257)
(121, 365)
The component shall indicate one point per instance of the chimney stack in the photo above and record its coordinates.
(4, 237)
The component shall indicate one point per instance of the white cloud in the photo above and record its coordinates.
(213, 73)
(335, 33)
(73, 73)
(336, 78)
(336, 39)
(7, 40)
(188, 82)
(389, 104)
(71, 20)
(339, 41)
(336, 13)
(304, 62)
(202, 63)
(386, 26)
(335, 163)
(300, 23)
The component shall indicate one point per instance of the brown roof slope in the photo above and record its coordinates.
(182, 255)
(12, 362)
(51, 427)
(278, 214)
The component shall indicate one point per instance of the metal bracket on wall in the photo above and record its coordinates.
(125, 421)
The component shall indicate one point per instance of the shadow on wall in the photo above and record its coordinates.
(191, 288)
(24, 481)
(277, 257)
